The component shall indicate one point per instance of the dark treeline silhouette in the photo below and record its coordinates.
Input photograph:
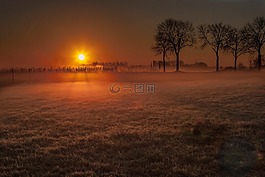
(93, 67)
(173, 35)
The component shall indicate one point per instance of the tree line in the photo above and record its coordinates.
(173, 35)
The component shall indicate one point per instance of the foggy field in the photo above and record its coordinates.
(71, 124)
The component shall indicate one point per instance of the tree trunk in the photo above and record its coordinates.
(177, 61)
(12, 71)
(164, 62)
(259, 59)
(217, 61)
(235, 61)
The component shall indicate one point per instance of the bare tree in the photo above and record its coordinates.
(161, 45)
(179, 34)
(255, 33)
(215, 36)
(236, 43)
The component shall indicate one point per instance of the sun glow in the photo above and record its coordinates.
(81, 57)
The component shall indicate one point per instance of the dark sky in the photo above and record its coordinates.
(51, 32)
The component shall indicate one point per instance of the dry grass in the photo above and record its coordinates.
(184, 129)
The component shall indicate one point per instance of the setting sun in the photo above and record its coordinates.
(81, 57)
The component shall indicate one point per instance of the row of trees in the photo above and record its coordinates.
(174, 35)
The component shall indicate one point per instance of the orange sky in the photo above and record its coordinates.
(50, 32)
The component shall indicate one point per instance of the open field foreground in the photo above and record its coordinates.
(194, 124)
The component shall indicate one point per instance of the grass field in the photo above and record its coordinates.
(208, 124)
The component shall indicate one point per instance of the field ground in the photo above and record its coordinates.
(208, 124)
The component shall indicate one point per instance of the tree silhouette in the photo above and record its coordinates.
(176, 34)
(255, 33)
(215, 36)
(236, 43)
(256, 61)
(161, 45)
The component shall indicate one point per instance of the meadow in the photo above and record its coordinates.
(193, 124)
